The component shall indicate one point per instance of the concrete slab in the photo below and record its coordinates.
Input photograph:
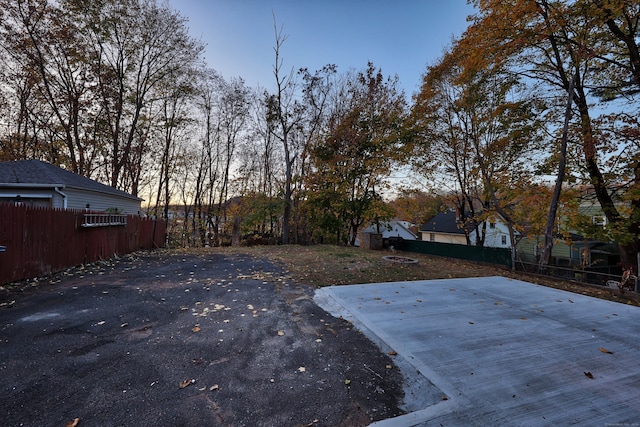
(496, 351)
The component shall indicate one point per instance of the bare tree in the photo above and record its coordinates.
(283, 116)
(136, 45)
(47, 49)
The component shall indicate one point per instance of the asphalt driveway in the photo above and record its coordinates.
(168, 339)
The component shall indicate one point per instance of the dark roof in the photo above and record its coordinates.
(444, 222)
(41, 174)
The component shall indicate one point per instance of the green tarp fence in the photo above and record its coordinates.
(501, 256)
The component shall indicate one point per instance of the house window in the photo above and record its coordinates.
(432, 237)
(492, 225)
(504, 240)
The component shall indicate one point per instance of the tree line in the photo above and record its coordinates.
(540, 88)
(118, 91)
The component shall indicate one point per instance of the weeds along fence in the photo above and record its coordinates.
(588, 275)
(38, 241)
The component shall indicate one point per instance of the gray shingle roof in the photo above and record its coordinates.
(444, 222)
(41, 173)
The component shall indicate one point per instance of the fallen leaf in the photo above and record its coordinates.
(302, 369)
(73, 423)
(388, 366)
(214, 387)
(347, 382)
(393, 353)
(444, 397)
(571, 301)
(196, 329)
(588, 375)
(604, 350)
(280, 333)
(186, 383)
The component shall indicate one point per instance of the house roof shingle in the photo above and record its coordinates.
(41, 173)
(444, 222)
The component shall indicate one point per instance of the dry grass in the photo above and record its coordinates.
(326, 265)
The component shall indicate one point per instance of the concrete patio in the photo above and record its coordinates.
(495, 351)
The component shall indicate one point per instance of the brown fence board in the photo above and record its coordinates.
(41, 241)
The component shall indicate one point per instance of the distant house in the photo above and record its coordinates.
(446, 227)
(570, 247)
(574, 250)
(38, 183)
(392, 229)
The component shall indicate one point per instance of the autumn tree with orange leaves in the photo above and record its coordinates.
(479, 128)
(364, 137)
(550, 42)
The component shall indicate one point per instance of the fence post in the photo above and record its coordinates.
(637, 272)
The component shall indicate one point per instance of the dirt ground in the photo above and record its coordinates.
(177, 339)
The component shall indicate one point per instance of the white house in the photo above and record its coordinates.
(390, 230)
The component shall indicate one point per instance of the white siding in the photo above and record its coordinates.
(493, 236)
(78, 199)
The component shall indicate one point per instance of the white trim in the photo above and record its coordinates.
(64, 197)
(25, 196)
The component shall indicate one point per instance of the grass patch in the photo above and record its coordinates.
(328, 265)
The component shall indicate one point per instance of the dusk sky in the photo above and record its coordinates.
(401, 37)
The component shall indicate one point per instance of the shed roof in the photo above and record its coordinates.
(42, 174)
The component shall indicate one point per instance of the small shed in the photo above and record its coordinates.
(369, 240)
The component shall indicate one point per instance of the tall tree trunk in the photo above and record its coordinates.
(545, 255)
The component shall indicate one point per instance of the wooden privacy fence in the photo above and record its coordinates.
(41, 241)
